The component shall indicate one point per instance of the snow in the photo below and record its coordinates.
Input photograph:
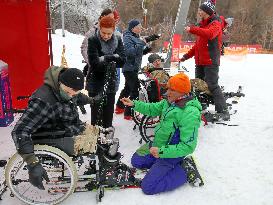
(235, 162)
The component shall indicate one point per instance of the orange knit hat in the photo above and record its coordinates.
(180, 83)
(107, 22)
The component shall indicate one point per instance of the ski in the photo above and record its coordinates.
(89, 187)
(92, 184)
(215, 118)
(193, 176)
(226, 124)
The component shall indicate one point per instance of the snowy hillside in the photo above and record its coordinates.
(235, 162)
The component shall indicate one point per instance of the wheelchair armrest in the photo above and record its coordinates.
(49, 133)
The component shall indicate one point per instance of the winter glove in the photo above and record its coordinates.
(110, 58)
(147, 49)
(35, 170)
(68, 132)
(36, 175)
(182, 59)
(96, 99)
(152, 37)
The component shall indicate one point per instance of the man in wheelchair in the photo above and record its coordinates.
(155, 70)
(175, 136)
(53, 106)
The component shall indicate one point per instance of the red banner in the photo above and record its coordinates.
(252, 49)
(176, 47)
(256, 48)
(24, 45)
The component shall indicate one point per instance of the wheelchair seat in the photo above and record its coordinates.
(55, 138)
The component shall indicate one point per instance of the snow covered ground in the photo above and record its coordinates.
(235, 162)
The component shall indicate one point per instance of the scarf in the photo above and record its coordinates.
(108, 47)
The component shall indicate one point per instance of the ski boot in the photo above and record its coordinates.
(115, 173)
(222, 116)
(193, 176)
(216, 117)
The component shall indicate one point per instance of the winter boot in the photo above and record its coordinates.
(193, 176)
(119, 110)
(222, 116)
(109, 133)
(127, 117)
(115, 173)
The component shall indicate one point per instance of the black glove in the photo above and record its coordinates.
(36, 175)
(152, 37)
(147, 49)
(182, 59)
(110, 58)
(96, 99)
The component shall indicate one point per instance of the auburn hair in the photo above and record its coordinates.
(107, 22)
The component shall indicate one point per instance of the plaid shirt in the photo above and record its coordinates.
(45, 116)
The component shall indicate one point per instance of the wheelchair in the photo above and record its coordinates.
(69, 172)
(150, 91)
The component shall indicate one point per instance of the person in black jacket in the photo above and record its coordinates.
(53, 106)
(104, 47)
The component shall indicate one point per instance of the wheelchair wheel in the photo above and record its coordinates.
(147, 126)
(137, 117)
(142, 96)
(61, 171)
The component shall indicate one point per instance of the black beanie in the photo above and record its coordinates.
(153, 57)
(208, 7)
(73, 78)
(132, 24)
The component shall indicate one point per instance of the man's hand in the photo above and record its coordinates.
(110, 58)
(36, 175)
(152, 37)
(96, 99)
(127, 102)
(154, 152)
(182, 59)
(187, 28)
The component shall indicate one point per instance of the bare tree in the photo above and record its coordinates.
(253, 19)
(79, 14)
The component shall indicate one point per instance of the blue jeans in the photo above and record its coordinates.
(164, 174)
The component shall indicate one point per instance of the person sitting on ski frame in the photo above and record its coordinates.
(53, 106)
(175, 136)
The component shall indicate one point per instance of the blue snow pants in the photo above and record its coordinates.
(164, 174)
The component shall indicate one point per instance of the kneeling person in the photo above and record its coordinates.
(175, 136)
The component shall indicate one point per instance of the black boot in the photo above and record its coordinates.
(115, 173)
(223, 116)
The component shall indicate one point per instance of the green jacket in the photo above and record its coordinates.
(184, 118)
